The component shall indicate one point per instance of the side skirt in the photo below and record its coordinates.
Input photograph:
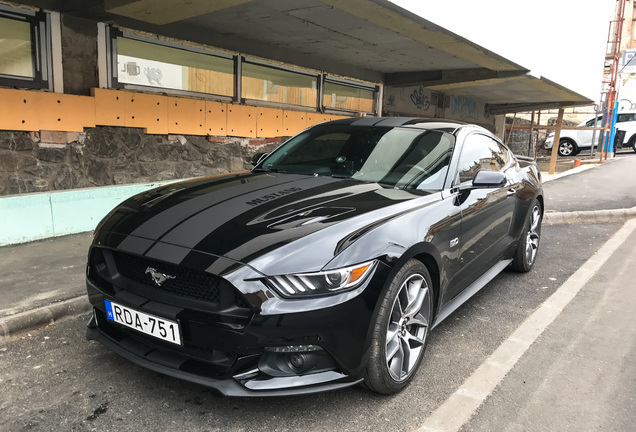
(470, 291)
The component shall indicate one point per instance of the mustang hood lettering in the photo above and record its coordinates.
(243, 217)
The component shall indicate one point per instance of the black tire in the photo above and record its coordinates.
(567, 147)
(526, 252)
(632, 142)
(400, 332)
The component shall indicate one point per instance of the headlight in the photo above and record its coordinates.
(321, 283)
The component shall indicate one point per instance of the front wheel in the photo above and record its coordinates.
(526, 252)
(632, 142)
(567, 147)
(401, 330)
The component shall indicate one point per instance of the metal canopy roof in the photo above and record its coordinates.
(374, 40)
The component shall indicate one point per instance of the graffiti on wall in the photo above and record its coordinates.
(420, 101)
(463, 108)
(408, 100)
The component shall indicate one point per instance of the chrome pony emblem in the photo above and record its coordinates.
(158, 277)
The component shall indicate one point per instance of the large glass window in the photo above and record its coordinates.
(16, 48)
(270, 84)
(138, 62)
(348, 97)
(148, 64)
(23, 49)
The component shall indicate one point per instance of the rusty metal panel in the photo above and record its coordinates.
(294, 122)
(186, 116)
(18, 110)
(241, 121)
(146, 111)
(216, 118)
(269, 123)
(109, 107)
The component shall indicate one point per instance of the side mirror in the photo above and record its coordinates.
(258, 157)
(489, 179)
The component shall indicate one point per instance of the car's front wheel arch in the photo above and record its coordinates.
(400, 329)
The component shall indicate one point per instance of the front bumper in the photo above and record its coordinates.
(235, 349)
(248, 384)
(549, 141)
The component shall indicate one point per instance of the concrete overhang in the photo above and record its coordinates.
(373, 40)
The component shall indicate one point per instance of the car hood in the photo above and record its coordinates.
(272, 221)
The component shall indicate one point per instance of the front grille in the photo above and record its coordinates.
(113, 271)
(182, 281)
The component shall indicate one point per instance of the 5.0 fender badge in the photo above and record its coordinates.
(158, 277)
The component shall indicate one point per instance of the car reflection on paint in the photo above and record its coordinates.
(326, 266)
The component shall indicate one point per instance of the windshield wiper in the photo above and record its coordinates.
(276, 170)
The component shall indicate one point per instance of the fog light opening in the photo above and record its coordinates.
(297, 361)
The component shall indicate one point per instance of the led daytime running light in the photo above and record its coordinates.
(322, 282)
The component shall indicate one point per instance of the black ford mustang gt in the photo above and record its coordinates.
(325, 266)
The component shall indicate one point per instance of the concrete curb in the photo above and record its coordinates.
(43, 316)
(589, 217)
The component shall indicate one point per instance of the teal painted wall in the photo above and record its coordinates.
(29, 217)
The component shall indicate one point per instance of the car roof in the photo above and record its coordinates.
(415, 122)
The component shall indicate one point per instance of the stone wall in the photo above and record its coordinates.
(101, 156)
(79, 53)
(519, 141)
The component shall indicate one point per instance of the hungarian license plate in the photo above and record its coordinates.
(152, 325)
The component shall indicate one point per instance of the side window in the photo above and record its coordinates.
(625, 117)
(481, 152)
(24, 49)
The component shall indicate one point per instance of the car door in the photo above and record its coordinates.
(486, 212)
(585, 136)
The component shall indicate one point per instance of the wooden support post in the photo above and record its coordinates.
(530, 149)
(555, 143)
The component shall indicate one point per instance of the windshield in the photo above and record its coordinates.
(398, 157)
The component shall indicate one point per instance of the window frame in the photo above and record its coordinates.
(113, 73)
(40, 49)
(502, 149)
(246, 60)
(109, 41)
(327, 79)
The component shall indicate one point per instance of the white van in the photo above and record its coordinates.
(573, 141)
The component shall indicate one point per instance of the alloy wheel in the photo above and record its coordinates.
(532, 241)
(408, 327)
(566, 148)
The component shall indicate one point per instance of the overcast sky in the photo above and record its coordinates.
(562, 40)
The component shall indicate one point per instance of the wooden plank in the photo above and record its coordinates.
(241, 121)
(269, 123)
(148, 111)
(294, 122)
(110, 107)
(60, 112)
(186, 116)
(18, 110)
(555, 145)
(552, 127)
(216, 118)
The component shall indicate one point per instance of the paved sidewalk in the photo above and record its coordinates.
(41, 282)
(579, 374)
(44, 281)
